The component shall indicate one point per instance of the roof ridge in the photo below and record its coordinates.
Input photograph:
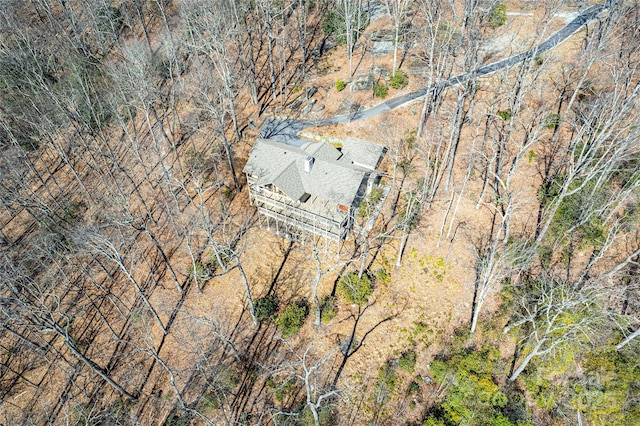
(292, 162)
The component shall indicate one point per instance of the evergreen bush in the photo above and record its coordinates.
(266, 307)
(399, 79)
(327, 308)
(498, 15)
(291, 319)
(355, 290)
(380, 90)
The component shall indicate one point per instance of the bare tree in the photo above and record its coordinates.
(438, 38)
(36, 309)
(552, 314)
(398, 11)
(495, 262)
(319, 256)
(350, 14)
(102, 245)
(310, 370)
(630, 337)
(208, 34)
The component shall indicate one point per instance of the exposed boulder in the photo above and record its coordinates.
(382, 73)
(382, 42)
(302, 97)
(308, 107)
(348, 107)
(296, 104)
(327, 44)
(375, 10)
(380, 48)
(417, 65)
(310, 91)
(362, 81)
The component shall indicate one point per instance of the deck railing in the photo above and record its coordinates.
(290, 213)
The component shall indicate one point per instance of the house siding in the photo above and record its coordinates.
(293, 218)
(311, 190)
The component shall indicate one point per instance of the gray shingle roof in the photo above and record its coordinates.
(363, 153)
(334, 176)
(321, 151)
(289, 182)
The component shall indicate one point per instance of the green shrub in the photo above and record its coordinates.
(383, 276)
(498, 15)
(327, 308)
(411, 139)
(501, 420)
(281, 390)
(612, 399)
(208, 403)
(505, 115)
(587, 89)
(327, 416)
(407, 361)
(340, 85)
(228, 193)
(199, 271)
(432, 421)
(551, 121)
(174, 419)
(266, 307)
(380, 90)
(355, 290)
(399, 80)
(499, 399)
(291, 319)
(368, 204)
(473, 395)
(386, 384)
(569, 215)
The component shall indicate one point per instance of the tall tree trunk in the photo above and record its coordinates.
(628, 339)
(526, 361)
(247, 290)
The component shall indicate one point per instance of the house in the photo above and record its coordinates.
(314, 189)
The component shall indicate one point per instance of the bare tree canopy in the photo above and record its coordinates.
(485, 270)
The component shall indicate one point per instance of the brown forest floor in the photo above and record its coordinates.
(420, 291)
